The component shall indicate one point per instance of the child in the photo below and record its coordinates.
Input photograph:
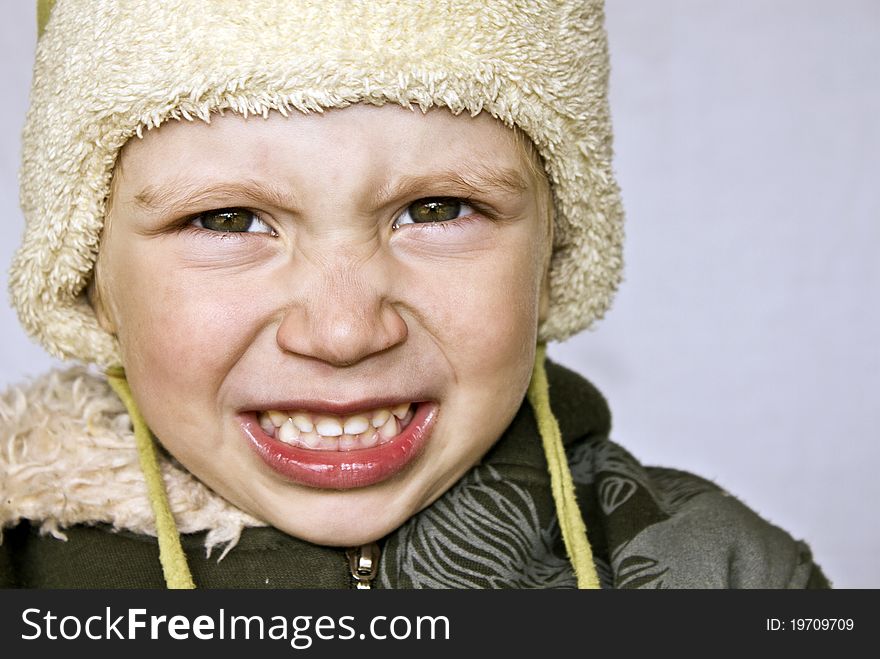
(317, 249)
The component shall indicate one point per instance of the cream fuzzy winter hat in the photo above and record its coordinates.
(106, 70)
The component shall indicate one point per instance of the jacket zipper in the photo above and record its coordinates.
(363, 562)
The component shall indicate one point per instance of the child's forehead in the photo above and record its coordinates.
(359, 138)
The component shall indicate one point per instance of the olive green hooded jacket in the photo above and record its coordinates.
(69, 523)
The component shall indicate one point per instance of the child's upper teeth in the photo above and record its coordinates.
(278, 418)
(379, 417)
(355, 425)
(328, 426)
(303, 422)
(323, 430)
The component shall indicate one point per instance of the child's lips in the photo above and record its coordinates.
(341, 461)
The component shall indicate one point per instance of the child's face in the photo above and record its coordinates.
(327, 268)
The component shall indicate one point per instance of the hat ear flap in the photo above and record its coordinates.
(44, 10)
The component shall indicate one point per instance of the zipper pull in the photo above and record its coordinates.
(363, 562)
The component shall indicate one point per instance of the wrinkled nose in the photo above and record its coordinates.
(346, 318)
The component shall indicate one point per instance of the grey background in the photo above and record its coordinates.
(743, 344)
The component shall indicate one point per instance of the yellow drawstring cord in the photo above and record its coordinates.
(174, 565)
(44, 10)
(574, 531)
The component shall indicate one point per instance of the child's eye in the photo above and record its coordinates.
(433, 209)
(231, 220)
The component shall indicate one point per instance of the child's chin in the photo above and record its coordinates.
(344, 532)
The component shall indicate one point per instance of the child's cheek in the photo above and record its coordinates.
(483, 308)
(180, 336)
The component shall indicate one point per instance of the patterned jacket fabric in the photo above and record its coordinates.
(649, 527)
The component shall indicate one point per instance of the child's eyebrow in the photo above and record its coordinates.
(181, 195)
(473, 180)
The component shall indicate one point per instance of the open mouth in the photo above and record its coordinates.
(340, 451)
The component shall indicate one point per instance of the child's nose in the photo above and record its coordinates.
(341, 323)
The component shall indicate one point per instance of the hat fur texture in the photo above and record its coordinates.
(107, 70)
